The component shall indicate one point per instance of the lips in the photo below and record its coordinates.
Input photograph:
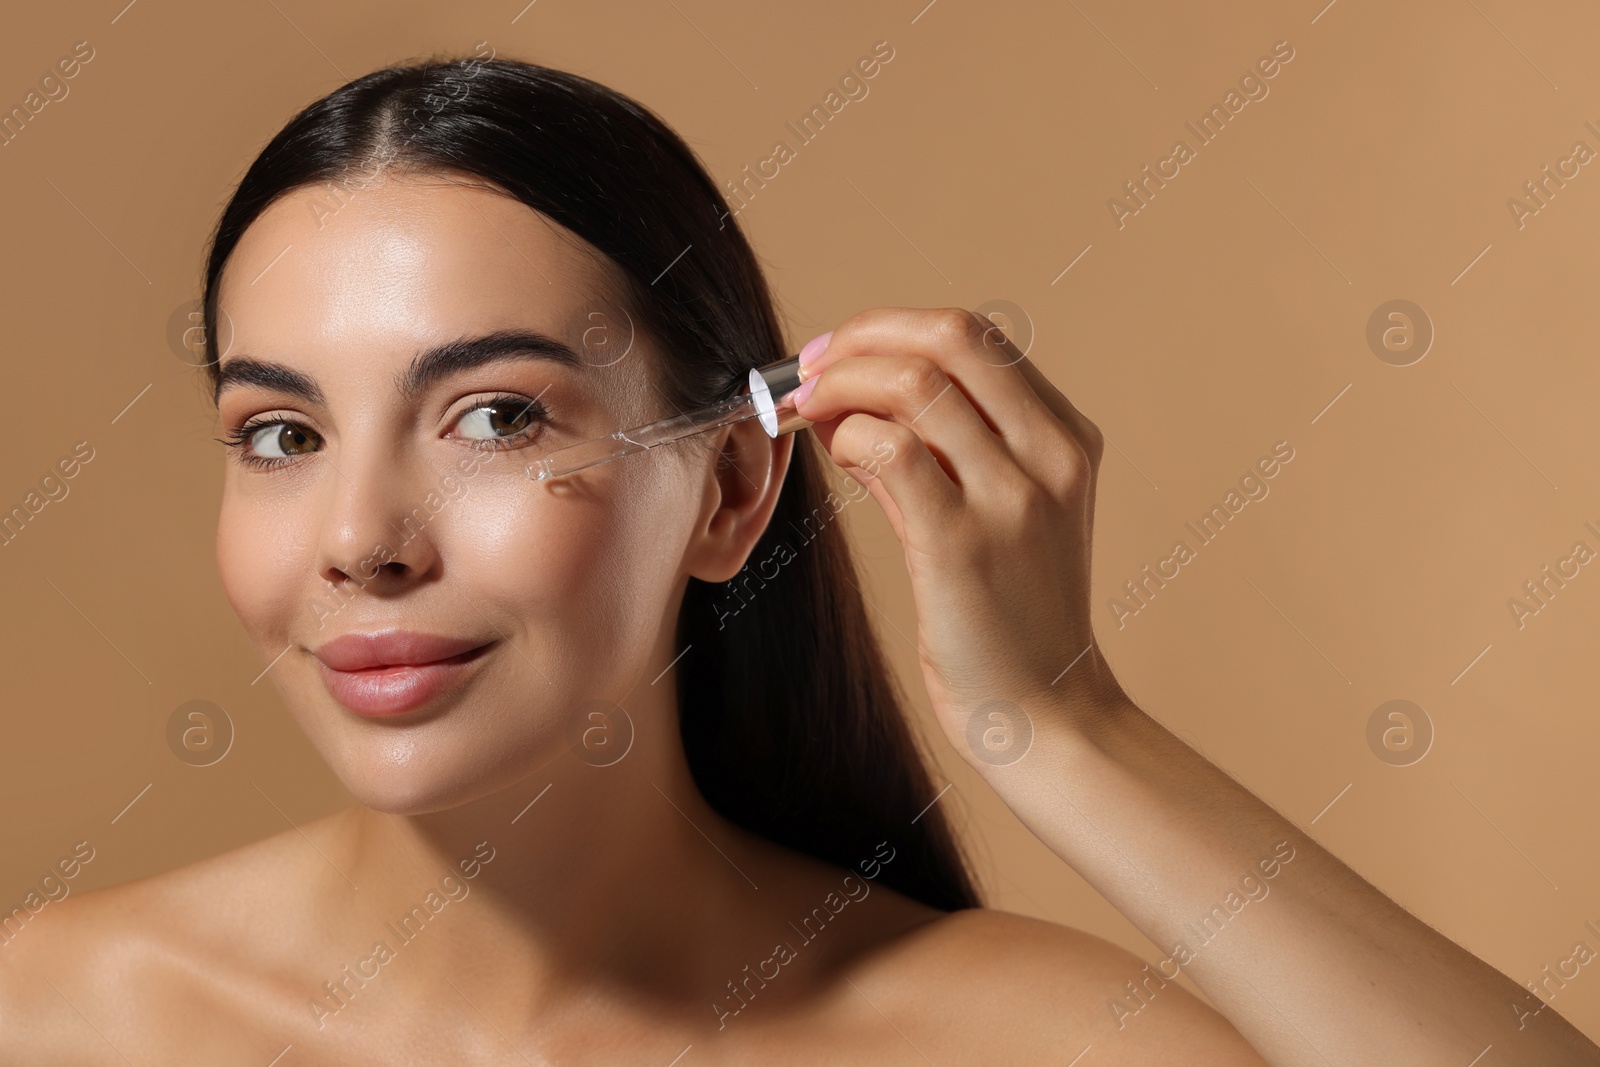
(395, 671)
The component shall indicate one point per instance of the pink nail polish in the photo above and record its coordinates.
(814, 348)
(802, 391)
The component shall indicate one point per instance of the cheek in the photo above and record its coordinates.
(578, 565)
(264, 559)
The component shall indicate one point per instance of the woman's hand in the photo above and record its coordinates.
(987, 474)
(989, 481)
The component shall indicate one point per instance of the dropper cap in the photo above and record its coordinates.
(770, 387)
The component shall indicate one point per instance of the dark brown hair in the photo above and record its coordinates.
(792, 722)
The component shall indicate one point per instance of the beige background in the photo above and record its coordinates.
(1228, 315)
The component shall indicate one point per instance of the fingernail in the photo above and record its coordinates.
(814, 348)
(803, 390)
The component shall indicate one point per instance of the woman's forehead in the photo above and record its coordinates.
(404, 258)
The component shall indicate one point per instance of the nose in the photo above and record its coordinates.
(378, 532)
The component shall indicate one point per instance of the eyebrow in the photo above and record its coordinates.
(426, 369)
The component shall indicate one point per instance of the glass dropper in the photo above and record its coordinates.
(765, 399)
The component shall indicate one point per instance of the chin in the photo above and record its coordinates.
(411, 798)
(408, 774)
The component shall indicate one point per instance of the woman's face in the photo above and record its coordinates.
(382, 489)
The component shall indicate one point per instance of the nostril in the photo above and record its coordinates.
(372, 569)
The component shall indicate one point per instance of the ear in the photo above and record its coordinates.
(741, 490)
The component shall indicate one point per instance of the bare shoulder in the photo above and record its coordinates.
(96, 972)
(983, 985)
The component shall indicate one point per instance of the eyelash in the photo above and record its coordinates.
(237, 441)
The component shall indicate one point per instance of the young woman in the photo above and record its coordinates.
(633, 779)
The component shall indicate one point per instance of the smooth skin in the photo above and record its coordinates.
(596, 914)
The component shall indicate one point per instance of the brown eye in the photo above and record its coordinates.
(282, 439)
(501, 417)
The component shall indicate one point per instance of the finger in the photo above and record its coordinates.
(1083, 430)
(969, 348)
(916, 393)
(1078, 424)
(897, 459)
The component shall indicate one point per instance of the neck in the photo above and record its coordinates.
(613, 872)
